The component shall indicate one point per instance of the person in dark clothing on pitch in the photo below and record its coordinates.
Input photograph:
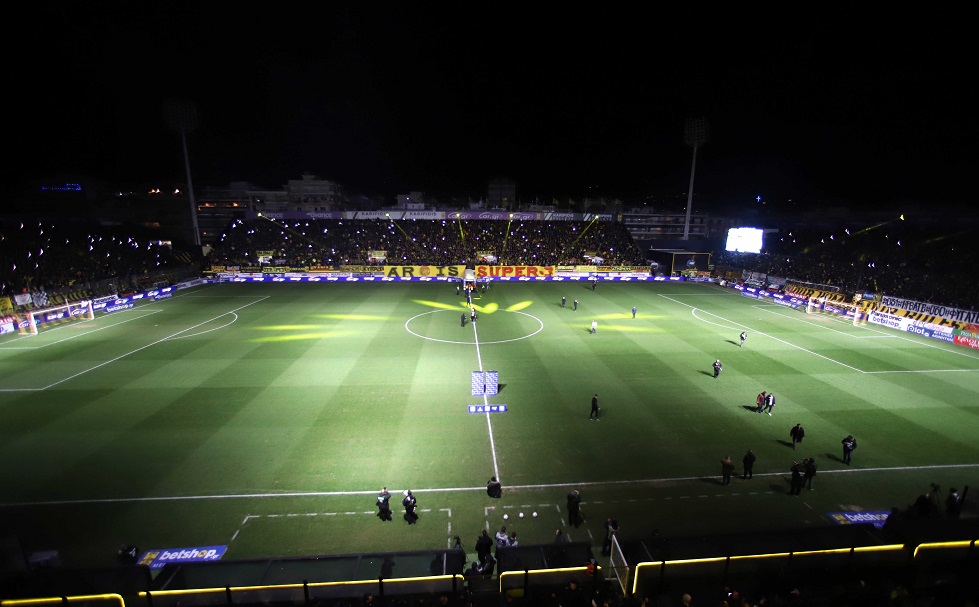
(574, 508)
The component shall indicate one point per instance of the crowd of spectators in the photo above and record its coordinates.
(901, 260)
(70, 256)
(425, 242)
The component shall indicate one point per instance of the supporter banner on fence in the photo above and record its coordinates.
(514, 271)
(932, 309)
(424, 271)
(6, 304)
(363, 269)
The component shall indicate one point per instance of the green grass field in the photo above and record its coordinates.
(265, 417)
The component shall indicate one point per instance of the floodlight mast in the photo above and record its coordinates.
(694, 135)
(182, 117)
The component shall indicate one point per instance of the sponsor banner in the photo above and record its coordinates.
(931, 309)
(498, 215)
(563, 217)
(564, 269)
(424, 271)
(968, 341)
(940, 335)
(116, 307)
(379, 214)
(435, 215)
(158, 294)
(7, 325)
(158, 558)
(513, 271)
(877, 518)
(318, 215)
(585, 269)
(887, 320)
(321, 269)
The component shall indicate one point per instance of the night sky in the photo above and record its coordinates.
(829, 103)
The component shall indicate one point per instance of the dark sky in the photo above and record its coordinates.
(828, 103)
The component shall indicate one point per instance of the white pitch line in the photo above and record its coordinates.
(882, 335)
(695, 309)
(489, 422)
(110, 361)
(776, 310)
(76, 335)
(648, 481)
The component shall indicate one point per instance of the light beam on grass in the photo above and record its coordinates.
(487, 309)
(297, 337)
(350, 316)
(288, 328)
(440, 305)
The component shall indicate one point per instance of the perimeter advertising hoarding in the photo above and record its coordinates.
(160, 557)
(939, 332)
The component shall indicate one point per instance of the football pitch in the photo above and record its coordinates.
(264, 418)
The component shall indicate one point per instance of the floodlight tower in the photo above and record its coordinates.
(694, 135)
(182, 117)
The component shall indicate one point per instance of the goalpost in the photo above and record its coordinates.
(78, 310)
(837, 308)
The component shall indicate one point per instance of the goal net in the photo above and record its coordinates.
(619, 567)
(79, 310)
(846, 311)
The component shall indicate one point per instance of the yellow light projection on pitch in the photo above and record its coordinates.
(309, 331)
(487, 309)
